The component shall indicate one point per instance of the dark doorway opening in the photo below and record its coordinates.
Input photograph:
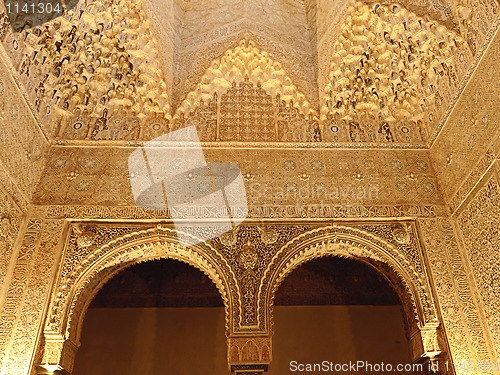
(334, 311)
(157, 317)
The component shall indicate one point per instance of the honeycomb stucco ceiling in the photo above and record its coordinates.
(372, 74)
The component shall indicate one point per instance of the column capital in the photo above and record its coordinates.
(58, 356)
(249, 355)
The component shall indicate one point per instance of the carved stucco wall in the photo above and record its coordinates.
(11, 220)
(27, 249)
(386, 73)
(22, 155)
(28, 292)
(465, 156)
(467, 335)
(247, 265)
(392, 75)
(308, 23)
(477, 227)
(468, 143)
(162, 15)
(298, 179)
(460, 253)
(95, 71)
(206, 30)
(461, 311)
(389, 73)
(329, 15)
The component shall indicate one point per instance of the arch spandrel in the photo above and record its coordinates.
(76, 289)
(411, 285)
(85, 269)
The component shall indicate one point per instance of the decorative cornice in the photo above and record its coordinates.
(289, 212)
(351, 243)
(80, 281)
(249, 145)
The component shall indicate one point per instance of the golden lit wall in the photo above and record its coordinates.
(338, 334)
(466, 159)
(370, 192)
(21, 163)
(22, 155)
(301, 180)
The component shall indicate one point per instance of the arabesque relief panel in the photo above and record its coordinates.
(461, 311)
(272, 178)
(11, 222)
(478, 224)
(27, 295)
(468, 143)
(246, 264)
(465, 156)
(22, 155)
(248, 250)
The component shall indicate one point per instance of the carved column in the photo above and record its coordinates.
(58, 356)
(249, 355)
(428, 349)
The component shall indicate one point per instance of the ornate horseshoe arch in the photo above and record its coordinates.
(411, 284)
(76, 289)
